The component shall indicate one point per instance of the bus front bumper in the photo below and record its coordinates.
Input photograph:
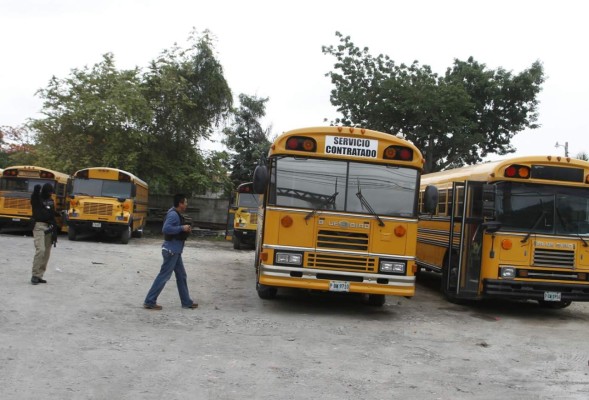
(16, 223)
(317, 279)
(97, 226)
(525, 290)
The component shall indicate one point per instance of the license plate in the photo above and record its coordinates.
(15, 219)
(551, 296)
(96, 224)
(339, 286)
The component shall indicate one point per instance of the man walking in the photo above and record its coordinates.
(175, 234)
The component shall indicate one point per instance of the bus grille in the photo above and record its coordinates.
(19, 204)
(554, 258)
(341, 262)
(342, 240)
(97, 208)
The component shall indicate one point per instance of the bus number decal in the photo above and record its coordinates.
(346, 146)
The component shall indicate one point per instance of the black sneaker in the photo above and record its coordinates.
(35, 280)
(41, 280)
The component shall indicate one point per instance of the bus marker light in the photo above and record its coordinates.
(286, 221)
(400, 231)
(264, 256)
(582, 276)
(523, 273)
(506, 244)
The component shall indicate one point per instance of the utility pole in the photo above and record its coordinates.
(566, 148)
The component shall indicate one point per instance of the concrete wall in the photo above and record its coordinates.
(206, 212)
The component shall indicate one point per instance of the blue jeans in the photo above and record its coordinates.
(172, 263)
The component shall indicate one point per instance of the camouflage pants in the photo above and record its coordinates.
(42, 248)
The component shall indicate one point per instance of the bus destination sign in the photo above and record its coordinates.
(348, 146)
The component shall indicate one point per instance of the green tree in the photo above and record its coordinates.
(149, 123)
(246, 139)
(189, 97)
(95, 117)
(454, 119)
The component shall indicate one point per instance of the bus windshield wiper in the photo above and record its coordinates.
(327, 201)
(542, 214)
(365, 203)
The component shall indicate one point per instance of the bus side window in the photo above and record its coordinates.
(442, 202)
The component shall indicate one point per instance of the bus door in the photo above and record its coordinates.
(462, 272)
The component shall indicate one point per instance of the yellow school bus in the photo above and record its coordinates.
(107, 200)
(16, 186)
(511, 229)
(339, 213)
(245, 216)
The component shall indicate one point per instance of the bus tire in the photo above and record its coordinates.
(236, 242)
(126, 235)
(556, 305)
(266, 292)
(376, 300)
(71, 233)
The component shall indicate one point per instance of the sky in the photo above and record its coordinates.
(273, 49)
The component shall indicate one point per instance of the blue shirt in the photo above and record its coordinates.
(172, 227)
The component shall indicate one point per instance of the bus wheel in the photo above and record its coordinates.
(376, 300)
(71, 233)
(126, 235)
(236, 243)
(555, 304)
(266, 292)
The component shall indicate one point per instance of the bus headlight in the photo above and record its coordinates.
(289, 258)
(507, 272)
(392, 267)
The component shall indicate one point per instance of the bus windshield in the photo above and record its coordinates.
(543, 208)
(103, 188)
(248, 200)
(335, 184)
(21, 184)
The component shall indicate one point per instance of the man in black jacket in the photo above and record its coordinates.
(44, 216)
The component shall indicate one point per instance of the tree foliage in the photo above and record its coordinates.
(146, 122)
(246, 139)
(454, 119)
(188, 96)
(17, 146)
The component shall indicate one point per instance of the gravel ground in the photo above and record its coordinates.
(85, 335)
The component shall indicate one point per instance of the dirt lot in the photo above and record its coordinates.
(85, 335)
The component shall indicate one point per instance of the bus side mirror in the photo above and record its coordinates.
(260, 179)
(489, 202)
(430, 199)
(69, 186)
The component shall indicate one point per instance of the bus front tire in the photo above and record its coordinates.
(71, 233)
(126, 235)
(236, 242)
(376, 300)
(266, 292)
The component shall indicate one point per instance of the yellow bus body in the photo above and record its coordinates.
(245, 216)
(16, 186)
(107, 200)
(341, 249)
(532, 253)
